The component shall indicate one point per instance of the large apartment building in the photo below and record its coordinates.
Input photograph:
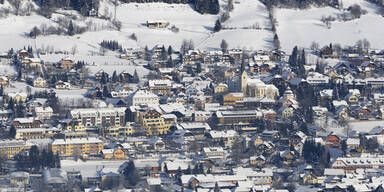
(10, 148)
(94, 117)
(76, 146)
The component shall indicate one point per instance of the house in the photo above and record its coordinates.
(326, 52)
(67, 63)
(160, 87)
(353, 143)
(257, 160)
(286, 111)
(116, 153)
(309, 178)
(4, 81)
(31, 62)
(19, 179)
(38, 81)
(142, 96)
(220, 88)
(23, 123)
(287, 156)
(233, 99)
(157, 24)
(156, 143)
(333, 140)
(352, 96)
(18, 97)
(62, 85)
(319, 111)
(213, 152)
(43, 113)
(227, 137)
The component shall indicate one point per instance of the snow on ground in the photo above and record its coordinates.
(6, 68)
(89, 168)
(301, 27)
(65, 95)
(108, 63)
(240, 38)
(193, 26)
(247, 13)
(365, 126)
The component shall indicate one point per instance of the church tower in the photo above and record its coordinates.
(244, 82)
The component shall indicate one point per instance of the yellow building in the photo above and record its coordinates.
(10, 148)
(113, 154)
(220, 88)
(233, 98)
(32, 62)
(76, 146)
(119, 131)
(153, 122)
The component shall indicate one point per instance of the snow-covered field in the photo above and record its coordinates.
(301, 27)
(193, 26)
(64, 95)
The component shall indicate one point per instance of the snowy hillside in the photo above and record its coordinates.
(248, 27)
(301, 27)
(192, 25)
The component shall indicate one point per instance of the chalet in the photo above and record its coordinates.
(116, 153)
(39, 81)
(22, 123)
(17, 97)
(326, 52)
(363, 113)
(286, 111)
(309, 178)
(5, 114)
(287, 156)
(233, 99)
(43, 113)
(227, 137)
(157, 24)
(67, 63)
(4, 81)
(333, 140)
(31, 62)
(23, 53)
(213, 152)
(63, 85)
(257, 160)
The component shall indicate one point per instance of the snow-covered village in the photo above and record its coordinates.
(191, 95)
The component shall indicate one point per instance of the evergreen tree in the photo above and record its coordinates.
(135, 77)
(71, 29)
(224, 46)
(230, 5)
(130, 174)
(198, 68)
(12, 132)
(217, 27)
(147, 54)
(170, 50)
(105, 92)
(115, 78)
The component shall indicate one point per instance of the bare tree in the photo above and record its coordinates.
(314, 46)
(366, 45)
(74, 49)
(17, 5)
(102, 50)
